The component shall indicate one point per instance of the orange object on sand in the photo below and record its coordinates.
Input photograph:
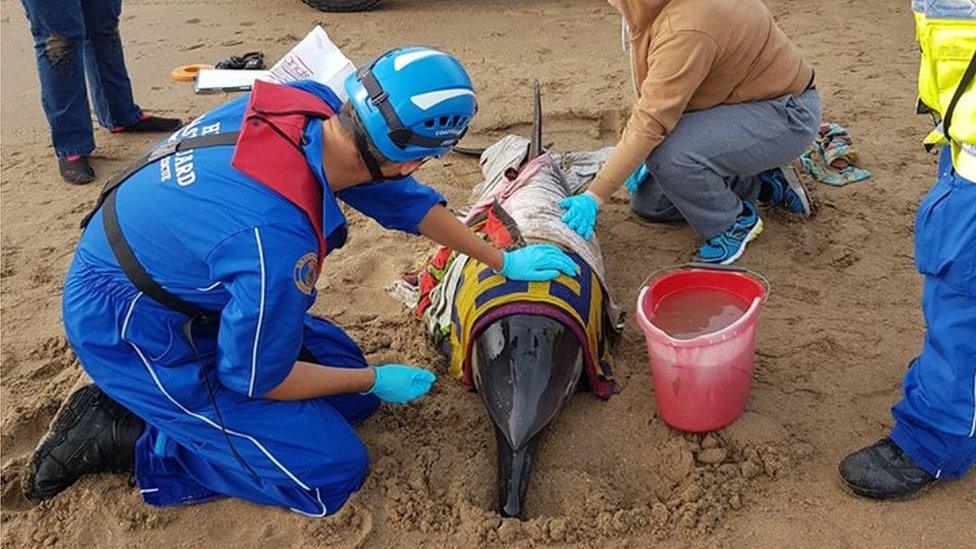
(187, 73)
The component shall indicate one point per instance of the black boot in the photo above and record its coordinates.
(75, 169)
(883, 471)
(91, 434)
(150, 124)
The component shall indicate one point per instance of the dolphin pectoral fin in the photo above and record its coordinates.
(514, 469)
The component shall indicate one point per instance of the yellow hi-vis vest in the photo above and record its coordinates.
(947, 85)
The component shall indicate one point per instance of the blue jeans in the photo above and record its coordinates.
(75, 40)
(708, 164)
(935, 422)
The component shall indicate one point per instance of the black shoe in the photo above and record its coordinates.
(91, 434)
(249, 61)
(76, 169)
(883, 471)
(150, 124)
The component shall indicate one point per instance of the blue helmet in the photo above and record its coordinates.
(412, 102)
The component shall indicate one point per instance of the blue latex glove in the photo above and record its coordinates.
(637, 179)
(537, 262)
(580, 213)
(399, 384)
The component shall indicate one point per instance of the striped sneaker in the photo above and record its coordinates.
(782, 188)
(728, 246)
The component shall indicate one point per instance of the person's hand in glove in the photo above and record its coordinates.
(581, 213)
(537, 262)
(637, 179)
(399, 384)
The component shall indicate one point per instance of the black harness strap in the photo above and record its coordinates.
(967, 79)
(137, 274)
(155, 154)
(134, 271)
(123, 253)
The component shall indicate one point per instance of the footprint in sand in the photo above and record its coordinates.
(11, 495)
(350, 527)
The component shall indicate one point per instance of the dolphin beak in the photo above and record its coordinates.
(514, 468)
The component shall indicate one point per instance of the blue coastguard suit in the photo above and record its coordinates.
(224, 242)
(935, 422)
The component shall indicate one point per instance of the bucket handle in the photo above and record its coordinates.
(709, 266)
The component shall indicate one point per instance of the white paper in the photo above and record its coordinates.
(217, 80)
(317, 58)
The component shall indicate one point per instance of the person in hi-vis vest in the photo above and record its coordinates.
(934, 436)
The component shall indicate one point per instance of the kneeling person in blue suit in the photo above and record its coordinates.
(188, 295)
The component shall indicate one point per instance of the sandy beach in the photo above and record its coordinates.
(841, 325)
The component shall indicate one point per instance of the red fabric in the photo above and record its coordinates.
(493, 227)
(428, 281)
(498, 233)
(270, 151)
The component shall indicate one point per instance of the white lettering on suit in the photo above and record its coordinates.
(165, 170)
(184, 168)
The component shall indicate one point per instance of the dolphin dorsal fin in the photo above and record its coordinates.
(535, 145)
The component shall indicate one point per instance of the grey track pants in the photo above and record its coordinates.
(707, 165)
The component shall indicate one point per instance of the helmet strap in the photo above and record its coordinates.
(362, 146)
(400, 135)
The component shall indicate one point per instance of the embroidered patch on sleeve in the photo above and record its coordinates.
(306, 272)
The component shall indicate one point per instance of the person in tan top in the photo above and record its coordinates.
(723, 99)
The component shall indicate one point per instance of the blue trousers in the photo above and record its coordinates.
(301, 455)
(75, 40)
(935, 422)
(707, 165)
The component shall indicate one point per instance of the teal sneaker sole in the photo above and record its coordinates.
(756, 230)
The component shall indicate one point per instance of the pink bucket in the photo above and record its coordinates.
(702, 384)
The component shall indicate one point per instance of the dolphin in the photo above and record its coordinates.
(525, 367)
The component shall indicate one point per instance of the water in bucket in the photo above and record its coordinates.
(698, 311)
